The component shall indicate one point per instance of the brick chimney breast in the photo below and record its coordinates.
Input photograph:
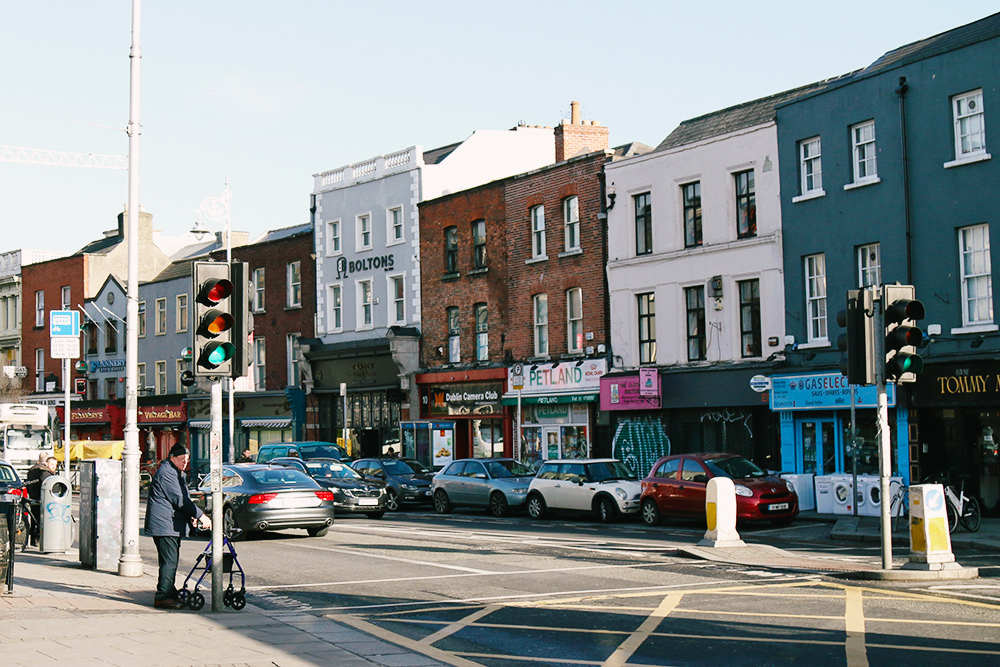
(577, 137)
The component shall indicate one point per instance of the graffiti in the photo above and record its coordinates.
(58, 512)
(639, 442)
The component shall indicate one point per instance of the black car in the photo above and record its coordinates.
(308, 449)
(351, 492)
(10, 482)
(406, 480)
(264, 497)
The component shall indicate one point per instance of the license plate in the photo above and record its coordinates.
(779, 506)
(368, 501)
(8, 498)
(295, 502)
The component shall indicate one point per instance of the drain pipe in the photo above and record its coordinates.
(901, 94)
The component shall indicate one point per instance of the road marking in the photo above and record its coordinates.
(452, 628)
(405, 642)
(642, 633)
(854, 625)
(397, 559)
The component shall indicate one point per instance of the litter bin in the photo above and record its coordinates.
(57, 516)
(7, 546)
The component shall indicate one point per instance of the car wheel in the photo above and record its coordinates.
(441, 503)
(318, 532)
(650, 512)
(607, 510)
(391, 500)
(229, 526)
(536, 506)
(498, 504)
(376, 515)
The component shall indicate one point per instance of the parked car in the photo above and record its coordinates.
(500, 485)
(351, 492)
(264, 497)
(676, 487)
(10, 482)
(606, 487)
(304, 450)
(406, 480)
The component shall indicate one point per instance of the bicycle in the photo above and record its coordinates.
(961, 508)
(899, 505)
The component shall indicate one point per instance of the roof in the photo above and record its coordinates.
(437, 155)
(748, 114)
(284, 233)
(100, 246)
(179, 269)
(952, 40)
(632, 149)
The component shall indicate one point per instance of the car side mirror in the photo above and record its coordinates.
(380, 474)
(701, 479)
(580, 482)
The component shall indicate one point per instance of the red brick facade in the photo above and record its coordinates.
(48, 277)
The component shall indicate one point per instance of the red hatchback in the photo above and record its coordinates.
(676, 488)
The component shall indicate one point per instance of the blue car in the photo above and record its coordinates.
(499, 485)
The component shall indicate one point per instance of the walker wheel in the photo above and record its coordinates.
(239, 601)
(196, 601)
(227, 597)
(182, 595)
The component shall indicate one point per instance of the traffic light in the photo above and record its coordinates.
(243, 325)
(858, 340)
(902, 336)
(213, 318)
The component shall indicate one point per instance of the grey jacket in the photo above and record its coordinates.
(169, 509)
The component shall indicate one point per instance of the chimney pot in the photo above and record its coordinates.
(574, 112)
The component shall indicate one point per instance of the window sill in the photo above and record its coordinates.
(571, 253)
(819, 342)
(334, 253)
(978, 157)
(535, 260)
(448, 277)
(389, 244)
(815, 194)
(863, 183)
(364, 249)
(974, 329)
(479, 272)
(288, 308)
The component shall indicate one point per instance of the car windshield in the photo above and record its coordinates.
(25, 437)
(7, 474)
(736, 467)
(287, 477)
(330, 470)
(318, 451)
(604, 471)
(508, 468)
(398, 468)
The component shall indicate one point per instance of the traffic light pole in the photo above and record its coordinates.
(215, 476)
(885, 442)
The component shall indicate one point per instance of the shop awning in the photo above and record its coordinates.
(510, 398)
(200, 424)
(266, 423)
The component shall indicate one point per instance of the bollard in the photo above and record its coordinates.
(930, 541)
(720, 514)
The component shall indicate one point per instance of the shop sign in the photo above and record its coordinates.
(346, 268)
(564, 376)
(96, 415)
(625, 393)
(822, 391)
(649, 382)
(107, 365)
(161, 413)
(465, 399)
(959, 384)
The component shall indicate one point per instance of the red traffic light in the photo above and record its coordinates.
(215, 290)
(904, 309)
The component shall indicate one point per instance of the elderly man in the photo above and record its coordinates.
(169, 510)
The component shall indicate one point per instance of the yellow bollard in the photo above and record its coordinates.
(930, 541)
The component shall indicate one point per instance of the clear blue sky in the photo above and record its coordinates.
(269, 93)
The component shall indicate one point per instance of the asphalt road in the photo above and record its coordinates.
(470, 589)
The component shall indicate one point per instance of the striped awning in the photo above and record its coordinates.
(266, 423)
(200, 424)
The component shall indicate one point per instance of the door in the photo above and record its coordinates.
(575, 490)
(664, 487)
(819, 446)
(550, 440)
(475, 489)
(691, 494)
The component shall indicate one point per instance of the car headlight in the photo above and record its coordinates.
(620, 492)
(791, 487)
(409, 487)
(520, 491)
(743, 491)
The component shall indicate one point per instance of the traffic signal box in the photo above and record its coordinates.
(902, 336)
(222, 320)
(243, 325)
(857, 343)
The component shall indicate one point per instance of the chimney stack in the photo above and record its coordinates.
(577, 137)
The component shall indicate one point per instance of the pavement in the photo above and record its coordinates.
(61, 612)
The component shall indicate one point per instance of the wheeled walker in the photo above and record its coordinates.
(194, 599)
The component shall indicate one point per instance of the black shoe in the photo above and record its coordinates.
(167, 603)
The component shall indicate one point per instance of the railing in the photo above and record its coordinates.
(377, 167)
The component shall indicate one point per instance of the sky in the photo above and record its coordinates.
(266, 94)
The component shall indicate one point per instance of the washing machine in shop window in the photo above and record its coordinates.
(824, 494)
(871, 490)
(803, 486)
(844, 496)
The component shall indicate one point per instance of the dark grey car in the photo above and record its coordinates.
(406, 480)
(351, 492)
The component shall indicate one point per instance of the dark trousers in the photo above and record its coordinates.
(168, 549)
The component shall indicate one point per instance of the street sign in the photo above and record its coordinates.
(65, 347)
(64, 323)
(15, 371)
(760, 383)
(517, 376)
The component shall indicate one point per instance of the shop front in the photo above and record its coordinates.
(471, 400)
(635, 400)
(161, 426)
(99, 421)
(957, 425)
(557, 403)
(815, 425)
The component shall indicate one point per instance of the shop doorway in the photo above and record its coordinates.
(819, 446)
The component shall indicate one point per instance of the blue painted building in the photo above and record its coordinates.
(887, 176)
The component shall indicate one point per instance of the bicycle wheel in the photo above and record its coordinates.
(972, 515)
(952, 517)
(22, 529)
(900, 507)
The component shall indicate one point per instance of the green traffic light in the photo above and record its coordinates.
(216, 354)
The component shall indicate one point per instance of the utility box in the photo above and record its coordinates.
(56, 531)
(100, 513)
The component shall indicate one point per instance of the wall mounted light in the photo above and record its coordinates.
(977, 342)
